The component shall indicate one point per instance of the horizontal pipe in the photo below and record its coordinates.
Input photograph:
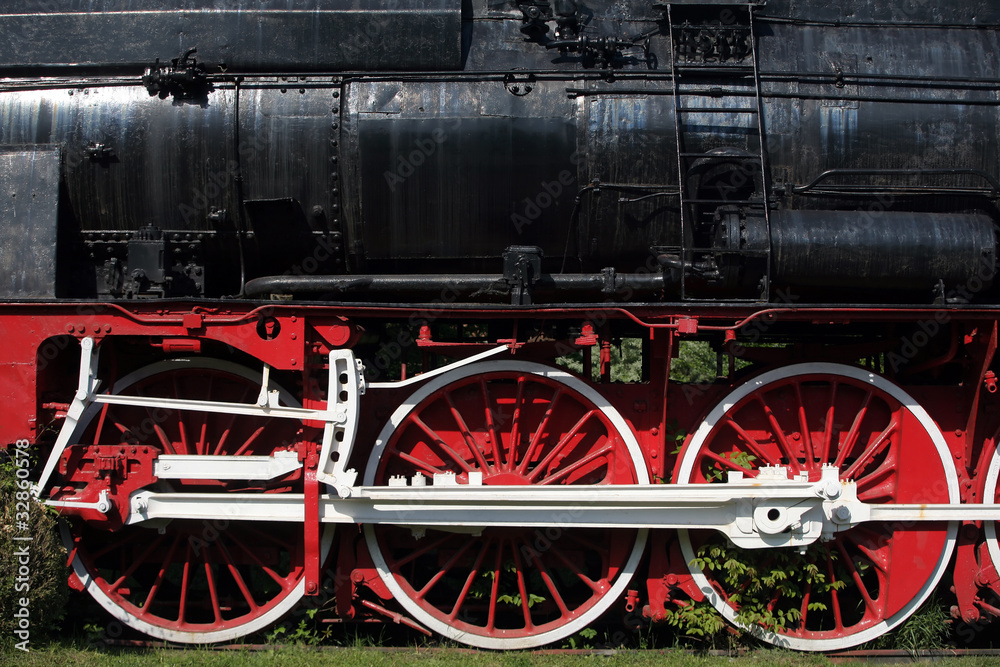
(463, 283)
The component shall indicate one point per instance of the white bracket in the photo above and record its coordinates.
(251, 468)
(346, 385)
(85, 391)
(103, 504)
(340, 417)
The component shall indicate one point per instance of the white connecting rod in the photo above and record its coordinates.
(753, 513)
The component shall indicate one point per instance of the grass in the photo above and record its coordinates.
(295, 656)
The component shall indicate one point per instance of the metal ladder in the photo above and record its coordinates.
(701, 77)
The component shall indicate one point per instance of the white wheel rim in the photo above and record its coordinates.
(576, 624)
(687, 465)
(124, 616)
(989, 497)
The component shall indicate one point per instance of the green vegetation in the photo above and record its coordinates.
(299, 656)
(31, 570)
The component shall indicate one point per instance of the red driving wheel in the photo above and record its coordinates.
(517, 424)
(874, 575)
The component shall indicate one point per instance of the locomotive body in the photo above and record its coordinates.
(232, 231)
(254, 149)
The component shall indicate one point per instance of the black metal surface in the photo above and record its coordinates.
(879, 252)
(259, 36)
(396, 138)
(485, 286)
(29, 200)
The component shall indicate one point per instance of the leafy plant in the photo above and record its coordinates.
(32, 558)
(581, 640)
(765, 587)
(742, 459)
(306, 632)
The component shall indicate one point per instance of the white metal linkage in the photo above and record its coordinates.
(770, 510)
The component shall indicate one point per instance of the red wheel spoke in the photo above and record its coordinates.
(494, 589)
(226, 430)
(420, 464)
(495, 443)
(515, 431)
(856, 576)
(729, 463)
(100, 423)
(249, 441)
(805, 434)
(593, 585)
(185, 581)
(563, 442)
(852, 435)
(441, 444)
(576, 465)
(181, 426)
(281, 581)
(754, 446)
(136, 563)
(168, 447)
(522, 587)
(872, 545)
(838, 617)
(115, 546)
(427, 548)
(878, 484)
(469, 580)
(804, 608)
(444, 570)
(550, 584)
(828, 430)
(537, 436)
(201, 447)
(161, 573)
(779, 436)
(212, 593)
(470, 440)
(872, 450)
(237, 577)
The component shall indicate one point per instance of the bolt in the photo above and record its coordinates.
(842, 513)
(832, 489)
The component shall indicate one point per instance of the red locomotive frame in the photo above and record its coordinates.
(944, 364)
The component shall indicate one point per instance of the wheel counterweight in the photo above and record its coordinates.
(516, 424)
(868, 579)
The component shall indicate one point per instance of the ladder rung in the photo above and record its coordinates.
(716, 110)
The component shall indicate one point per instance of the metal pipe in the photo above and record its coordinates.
(608, 282)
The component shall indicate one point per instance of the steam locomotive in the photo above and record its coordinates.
(318, 300)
